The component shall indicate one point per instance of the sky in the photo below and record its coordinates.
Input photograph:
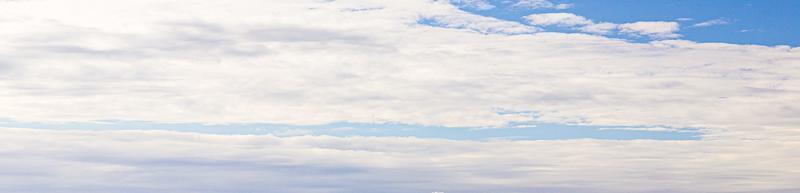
(737, 21)
(417, 96)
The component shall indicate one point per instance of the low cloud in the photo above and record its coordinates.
(155, 162)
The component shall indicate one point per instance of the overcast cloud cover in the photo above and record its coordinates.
(414, 61)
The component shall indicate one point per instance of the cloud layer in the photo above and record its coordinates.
(72, 161)
(308, 62)
(415, 62)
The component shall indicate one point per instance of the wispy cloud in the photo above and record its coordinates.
(712, 22)
(560, 19)
(474, 4)
(477, 23)
(600, 28)
(653, 29)
(541, 4)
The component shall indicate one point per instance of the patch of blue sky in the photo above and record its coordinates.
(768, 23)
(430, 22)
(515, 131)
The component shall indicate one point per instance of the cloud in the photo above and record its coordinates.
(540, 4)
(653, 29)
(559, 19)
(660, 129)
(449, 16)
(299, 34)
(599, 28)
(306, 62)
(156, 161)
(712, 22)
(479, 24)
(473, 4)
(563, 6)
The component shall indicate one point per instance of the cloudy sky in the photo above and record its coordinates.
(411, 96)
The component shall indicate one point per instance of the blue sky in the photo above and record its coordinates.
(741, 21)
(542, 131)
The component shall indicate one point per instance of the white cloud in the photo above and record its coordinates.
(653, 29)
(151, 161)
(480, 24)
(560, 19)
(309, 62)
(474, 4)
(445, 15)
(659, 129)
(563, 6)
(599, 28)
(712, 22)
(540, 4)
(305, 62)
(656, 30)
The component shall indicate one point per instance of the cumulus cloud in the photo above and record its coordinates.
(153, 161)
(559, 19)
(653, 29)
(712, 22)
